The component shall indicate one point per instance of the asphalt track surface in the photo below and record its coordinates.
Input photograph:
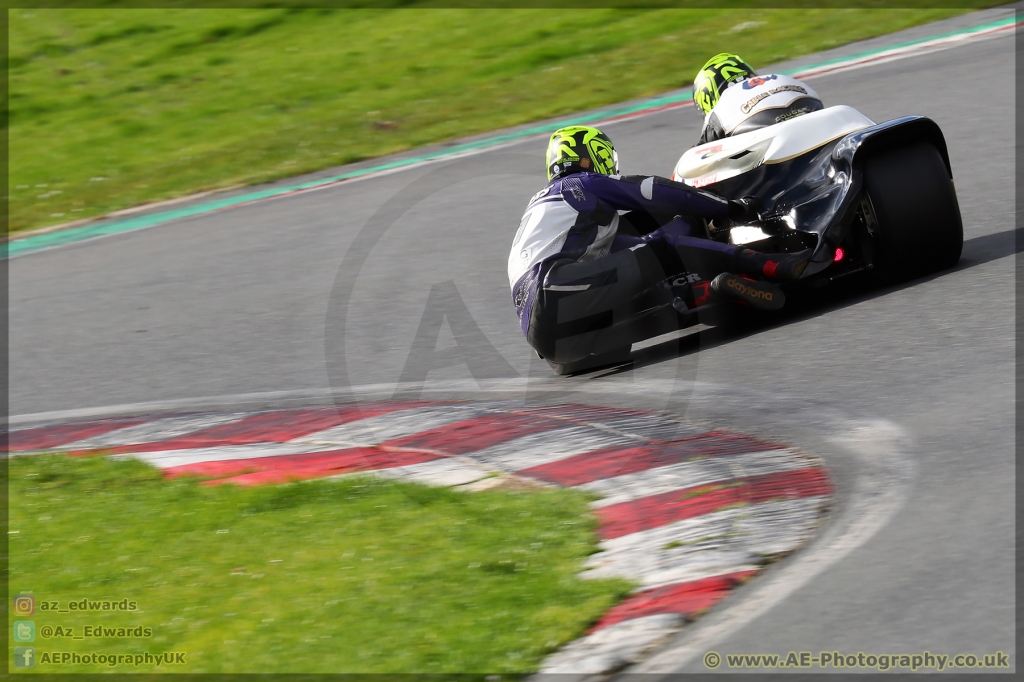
(907, 393)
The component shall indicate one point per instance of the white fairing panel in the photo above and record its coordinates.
(753, 95)
(725, 158)
(541, 233)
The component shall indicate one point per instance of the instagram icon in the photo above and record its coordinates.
(24, 605)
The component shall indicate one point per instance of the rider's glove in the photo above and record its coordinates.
(745, 210)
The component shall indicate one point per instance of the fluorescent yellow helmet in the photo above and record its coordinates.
(714, 78)
(579, 149)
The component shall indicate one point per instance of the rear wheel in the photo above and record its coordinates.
(916, 217)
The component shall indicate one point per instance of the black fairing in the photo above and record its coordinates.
(813, 199)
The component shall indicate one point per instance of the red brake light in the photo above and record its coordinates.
(839, 255)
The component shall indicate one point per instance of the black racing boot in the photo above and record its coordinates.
(760, 295)
(785, 267)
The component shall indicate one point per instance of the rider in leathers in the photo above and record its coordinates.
(735, 100)
(582, 286)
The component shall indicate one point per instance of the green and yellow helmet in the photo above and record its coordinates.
(580, 148)
(714, 78)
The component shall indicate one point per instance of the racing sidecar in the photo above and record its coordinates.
(866, 197)
(872, 200)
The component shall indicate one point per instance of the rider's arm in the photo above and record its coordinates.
(655, 194)
(712, 129)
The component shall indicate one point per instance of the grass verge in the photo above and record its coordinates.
(111, 108)
(351, 575)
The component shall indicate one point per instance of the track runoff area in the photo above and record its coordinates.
(686, 513)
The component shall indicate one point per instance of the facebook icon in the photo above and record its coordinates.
(24, 656)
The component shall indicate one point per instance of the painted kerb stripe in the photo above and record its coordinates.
(687, 514)
(48, 240)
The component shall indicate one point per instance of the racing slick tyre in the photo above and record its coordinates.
(916, 214)
(615, 357)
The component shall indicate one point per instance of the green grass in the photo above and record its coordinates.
(353, 575)
(115, 107)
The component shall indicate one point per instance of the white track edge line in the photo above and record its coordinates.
(879, 492)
